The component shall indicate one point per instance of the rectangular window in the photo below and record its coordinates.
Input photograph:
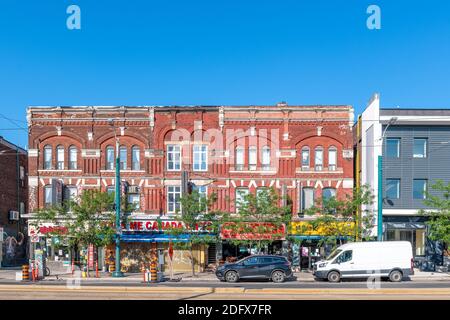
(305, 159)
(307, 198)
(173, 199)
(419, 188)
(393, 188)
(48, 197)
(239, 158)
(47, 157)
(173, 157)
(134, 200)
(135, 158)
(420, 148)
(123, 158)
(200, 154)
(60, 158)
(110, 158)
(252, 154)
(201, 190)
(393, 147)
(332, 159)
(265, 161)
(241, 193)
(318, 159)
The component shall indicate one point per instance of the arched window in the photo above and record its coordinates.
(73, 155)
(60, 157)
(305, 158)
(265, 160)
(109, 158)
(318, 159)
(135, 158)
(239, 159)
(332, 158)
(47, 157)
(123, 157)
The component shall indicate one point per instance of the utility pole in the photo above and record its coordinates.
(380, 199)
(117, 273)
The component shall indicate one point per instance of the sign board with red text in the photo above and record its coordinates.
(162, 225)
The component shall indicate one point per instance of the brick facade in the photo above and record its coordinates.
(13, 197)
(282, 128)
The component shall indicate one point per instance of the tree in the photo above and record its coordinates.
(200, 222)
(350, 217)
(260, 220)
(439, 214)
(86, 220)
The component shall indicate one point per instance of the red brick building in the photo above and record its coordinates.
(227, 150)
(13, 203)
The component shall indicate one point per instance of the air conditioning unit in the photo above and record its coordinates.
(133, 189)
(14, 215)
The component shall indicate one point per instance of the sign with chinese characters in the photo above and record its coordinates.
(253, 231)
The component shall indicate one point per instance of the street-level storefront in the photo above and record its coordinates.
(306, 243)
(238, 244)
(142, 239)
(414, 230)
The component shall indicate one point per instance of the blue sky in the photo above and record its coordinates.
(231, 52)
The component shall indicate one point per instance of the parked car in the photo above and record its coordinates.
(385, 259)
(275, 268)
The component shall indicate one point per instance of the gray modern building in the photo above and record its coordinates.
(414, 145)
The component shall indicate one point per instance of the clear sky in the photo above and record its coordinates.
(221, 52)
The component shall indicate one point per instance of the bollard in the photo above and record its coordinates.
(153, 272)
(25, 272)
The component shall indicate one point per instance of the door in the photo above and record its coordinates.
(266, 265)
(345, 263)
(250, 268)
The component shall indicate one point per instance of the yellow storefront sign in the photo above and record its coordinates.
(342, 228)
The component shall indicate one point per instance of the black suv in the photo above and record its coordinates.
(276, 268)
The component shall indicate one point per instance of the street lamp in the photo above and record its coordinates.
(117, 273)
(380, 184)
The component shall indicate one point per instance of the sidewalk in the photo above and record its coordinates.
(10, 274)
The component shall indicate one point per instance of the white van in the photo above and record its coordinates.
(390, 259)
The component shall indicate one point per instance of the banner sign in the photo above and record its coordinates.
(155, 225)
(44, 229)
(253, 231)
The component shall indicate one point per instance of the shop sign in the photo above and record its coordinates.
(91, 256)
(45, 228)
(253, 231)
(307, 229)
(155, 225)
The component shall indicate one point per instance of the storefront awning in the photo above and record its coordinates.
(157, 237)
(405, 225)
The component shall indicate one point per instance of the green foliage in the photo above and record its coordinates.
(260, 219)
(335, 218)
(88, 219)
(439, 216)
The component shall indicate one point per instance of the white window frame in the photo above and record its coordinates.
(60, 157)
(303, 205)
(171, 153)
(137, 204)
(425, 147)
(73, 153)
(305, 164)
(48, 155)
(265, 158)
(110, 152)
(332, 166)
(239, 158)
(252, 158)
(123, 162)
(175, 190)
(318, 166)
(200, 157)
(48, 190)
(135, 163)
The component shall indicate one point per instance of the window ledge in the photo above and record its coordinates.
(59, 170)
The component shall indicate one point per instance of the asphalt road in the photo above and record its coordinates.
(355, 284)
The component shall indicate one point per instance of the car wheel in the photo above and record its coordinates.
(231, 276)
(334, 276)
(278, 276)
(395, 276)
